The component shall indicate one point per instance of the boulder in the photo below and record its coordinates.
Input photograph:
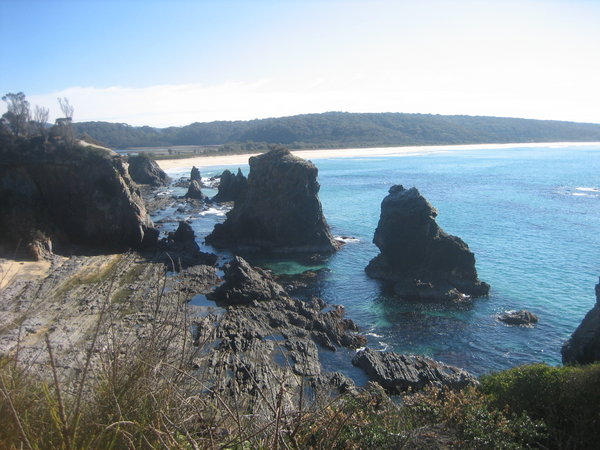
(399, 373)
(245, 284)
(231, 187)
(417, 257)
(144, 170)
(194, 191)
(280, 212)
(584, 345)
(521, 317)
(80, 198)
(195, 175)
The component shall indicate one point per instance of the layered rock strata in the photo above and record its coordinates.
(584, 345)
(400, 373)
(417, 257)
(69, 196)
(280, 212)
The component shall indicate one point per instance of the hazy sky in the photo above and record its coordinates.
(174, 62)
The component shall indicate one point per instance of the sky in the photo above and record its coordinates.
(171, 63)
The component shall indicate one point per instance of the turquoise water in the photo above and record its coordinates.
(530, 215)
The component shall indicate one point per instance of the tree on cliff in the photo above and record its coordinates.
(18, 114)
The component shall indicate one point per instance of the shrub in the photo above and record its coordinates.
(567, 399)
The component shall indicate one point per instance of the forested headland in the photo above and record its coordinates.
(339, 130)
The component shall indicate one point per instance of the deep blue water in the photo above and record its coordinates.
(530, 215)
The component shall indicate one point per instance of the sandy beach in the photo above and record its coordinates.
(226, 160)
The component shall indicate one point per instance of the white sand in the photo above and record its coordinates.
(227, 160)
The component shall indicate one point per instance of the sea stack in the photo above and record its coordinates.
(584, 345)
(194, 191)
(195, 175)
(144, 170)
(231, 187)
(421, 260)
(280, 212)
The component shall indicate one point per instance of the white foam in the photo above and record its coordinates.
(374, 335)
(213, 211)
(346, 239)
(587, 189)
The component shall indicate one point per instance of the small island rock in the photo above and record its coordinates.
(421, 260)
(521, 317)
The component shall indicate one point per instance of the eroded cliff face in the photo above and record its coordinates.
(417, 256)
(584, 345)
(71, 195)
(280, 211)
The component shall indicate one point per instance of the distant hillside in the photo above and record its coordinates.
(337, 129)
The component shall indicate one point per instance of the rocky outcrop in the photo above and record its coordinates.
(399, 373)
(181, 250)
(280, 212)
(76, 197)
(245, 284)
(521, 317)
(584, 345)
(231, 187)
(144, 170)
(195, 175)
(417, 257)
(194, 191)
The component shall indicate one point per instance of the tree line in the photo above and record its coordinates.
(339, 129)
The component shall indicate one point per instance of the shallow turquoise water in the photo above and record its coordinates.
(530, 215)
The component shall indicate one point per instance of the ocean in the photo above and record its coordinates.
(530, 215)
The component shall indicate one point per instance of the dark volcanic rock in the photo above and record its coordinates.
(231, 187)
(584, 345)
(280, 212)
(181, 249)
(71, 195)
(195, 175)
(245, 284)
(194, 191)
(399, 373)
(144, 170)
(521, 317)
(417, 256)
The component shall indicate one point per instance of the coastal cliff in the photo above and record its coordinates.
(420, 259)
(144, 170)
(69, 195)
(584, 345)
(281, 211)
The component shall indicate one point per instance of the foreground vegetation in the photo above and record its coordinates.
(150, 392)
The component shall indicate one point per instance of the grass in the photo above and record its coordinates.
(146, 391)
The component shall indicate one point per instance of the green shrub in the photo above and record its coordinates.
(567, 399)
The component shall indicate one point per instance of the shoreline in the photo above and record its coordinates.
(237, 159)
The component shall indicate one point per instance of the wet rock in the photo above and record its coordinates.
(521, 317)
(399, 373)
(417, 257)
(245, 284)
(584, 345)
(231, 187)
(194, 191)
(144, 170)
(280, 212)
